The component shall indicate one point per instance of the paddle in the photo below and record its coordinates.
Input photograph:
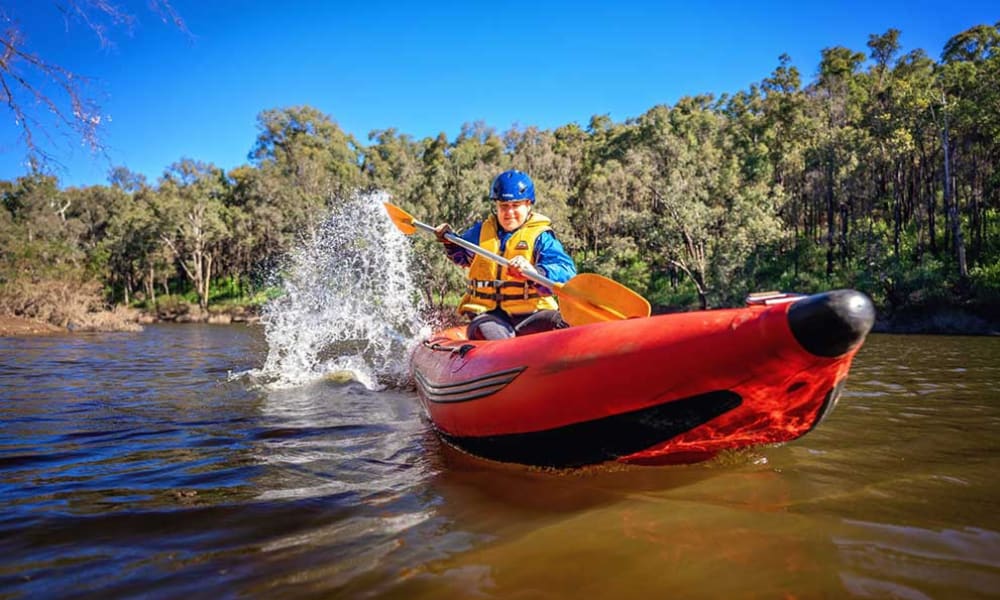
(586, 298)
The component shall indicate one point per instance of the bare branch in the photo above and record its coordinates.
(697, 284)
(26, 77)
(168, 14)
(19, 68)
(74, 10)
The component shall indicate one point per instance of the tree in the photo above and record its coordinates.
(840, 144)
(392, 162)
(133, 246)
(307, 163)
(189, 205)
(969, 77)
(41, 243)
(474, 159)
(553, 160)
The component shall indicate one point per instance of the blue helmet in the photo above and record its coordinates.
(511, 186)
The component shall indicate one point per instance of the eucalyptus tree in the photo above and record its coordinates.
(839, 150)
(787, 132)
(125, 179)
(133, 249)
(891, 142)
(970, 76)
(553, 160)
(788, 127)
(41, 242)
(602, 199)
(674, 190)
(706, 215)
(427, 200)
(913, 100)
(88, 211)
(261, 231)
(307, 162)
(189, 204)
(602, 233)
(8, 241)
(453, 187)
(429, 192)
(391, 163)
(474, 159)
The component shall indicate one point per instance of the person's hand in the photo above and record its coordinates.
(440, 230)
(519, 266)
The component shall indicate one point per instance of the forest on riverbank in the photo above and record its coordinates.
(881, 173)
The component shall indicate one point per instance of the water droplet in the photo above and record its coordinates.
(348, 302)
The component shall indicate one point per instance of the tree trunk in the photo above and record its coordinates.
(152, 285)
(830, 225)
(926, 183)
(951, 203)
(197, 277)
(975, 213)
(897, 215)
(206, 283)
(845, 219)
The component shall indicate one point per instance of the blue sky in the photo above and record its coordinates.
(426, 68)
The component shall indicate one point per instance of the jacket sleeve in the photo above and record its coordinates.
(552, 260)
(459, 255)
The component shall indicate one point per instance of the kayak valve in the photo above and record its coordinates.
(831, 323)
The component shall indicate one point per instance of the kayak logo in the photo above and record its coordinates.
(522, 245)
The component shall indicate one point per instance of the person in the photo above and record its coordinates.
(502, 302)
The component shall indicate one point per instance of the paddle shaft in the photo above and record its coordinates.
(503, 262)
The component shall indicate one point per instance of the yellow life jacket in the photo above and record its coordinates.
(491, 285)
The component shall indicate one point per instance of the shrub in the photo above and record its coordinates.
(71, 302)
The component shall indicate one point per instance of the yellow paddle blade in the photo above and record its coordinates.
(591, 298)
(402, 219)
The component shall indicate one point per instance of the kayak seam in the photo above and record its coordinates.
(469, 389)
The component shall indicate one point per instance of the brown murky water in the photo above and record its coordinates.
(134, 465)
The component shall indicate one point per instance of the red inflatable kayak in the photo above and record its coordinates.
(657, 390)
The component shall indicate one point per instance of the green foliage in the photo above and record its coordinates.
(632, 271)
(790, 185)
(229, 292)
(922, 284)
(667, 292)
(986, 283)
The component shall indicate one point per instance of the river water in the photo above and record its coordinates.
(292, 460)
(144, 464)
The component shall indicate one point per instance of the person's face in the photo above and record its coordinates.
(513, 214)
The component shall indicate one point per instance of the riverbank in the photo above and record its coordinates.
(192, 313)
(118, 319)
(127, 319)
(948, 320)
(945, 321)
(21, 326)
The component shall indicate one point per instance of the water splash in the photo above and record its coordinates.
(349, 303)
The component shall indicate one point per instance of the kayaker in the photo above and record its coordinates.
(500, 301)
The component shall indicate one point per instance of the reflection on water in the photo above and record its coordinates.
(134, 464)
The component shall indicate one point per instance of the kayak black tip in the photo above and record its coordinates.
(831, 323)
